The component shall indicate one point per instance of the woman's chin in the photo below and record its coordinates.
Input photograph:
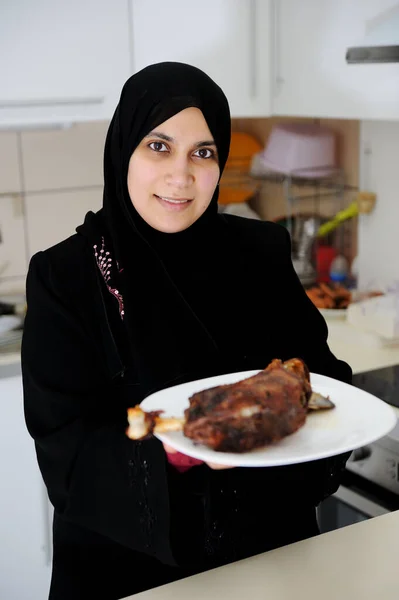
(173, 223)
(172, 227)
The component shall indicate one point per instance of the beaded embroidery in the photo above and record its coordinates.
(104, 263)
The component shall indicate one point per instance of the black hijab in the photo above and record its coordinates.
(168, 282)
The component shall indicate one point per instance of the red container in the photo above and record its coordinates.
(324, 257)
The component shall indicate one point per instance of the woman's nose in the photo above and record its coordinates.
(179, 173)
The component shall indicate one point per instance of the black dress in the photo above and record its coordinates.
(125, 520)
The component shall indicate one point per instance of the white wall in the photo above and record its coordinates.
(378, 255)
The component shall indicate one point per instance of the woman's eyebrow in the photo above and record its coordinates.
(205, 143)
(158, 134)
(167, 138)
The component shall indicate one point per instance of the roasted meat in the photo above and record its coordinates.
(242, 416)
(251, 413)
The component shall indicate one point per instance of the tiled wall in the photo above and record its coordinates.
(49, 179)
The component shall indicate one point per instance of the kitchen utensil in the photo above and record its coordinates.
(363, 204)
(302, 260)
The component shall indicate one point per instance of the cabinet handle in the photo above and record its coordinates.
(276, 63)
(253, 62)
(51, 102)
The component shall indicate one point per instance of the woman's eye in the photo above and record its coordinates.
(158, 147)
(204, 153)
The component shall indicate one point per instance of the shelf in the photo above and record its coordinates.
(239, 179)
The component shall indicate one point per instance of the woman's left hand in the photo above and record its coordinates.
(214, 466)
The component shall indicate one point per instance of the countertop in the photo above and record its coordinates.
(360, 350)
(10, 357)
(358, 562)
(10, 352)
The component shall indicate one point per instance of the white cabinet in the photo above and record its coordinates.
(228, 39)
(311, 76)
(25, 547)
(62, 61)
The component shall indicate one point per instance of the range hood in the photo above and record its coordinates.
(381, 41)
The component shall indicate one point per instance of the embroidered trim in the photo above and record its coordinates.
(104, 263)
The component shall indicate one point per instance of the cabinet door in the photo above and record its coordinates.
(62, 61)
(311, 75)
(25, 550)
(228, 39)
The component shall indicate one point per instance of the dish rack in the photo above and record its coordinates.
(303, 225)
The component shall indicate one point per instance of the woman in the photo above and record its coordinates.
(156, 289)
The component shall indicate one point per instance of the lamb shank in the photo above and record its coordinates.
(239, 417)
(252, 413)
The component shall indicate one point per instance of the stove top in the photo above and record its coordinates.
(379, 462)
(383, 383)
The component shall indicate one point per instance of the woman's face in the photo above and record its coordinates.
(174, 171)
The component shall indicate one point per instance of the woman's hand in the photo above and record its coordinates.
(214, 466)
(217, 467)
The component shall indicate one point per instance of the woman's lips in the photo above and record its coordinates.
(176, 204)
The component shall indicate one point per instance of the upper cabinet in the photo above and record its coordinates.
(228, 39)
(311, 76)
(62, 61)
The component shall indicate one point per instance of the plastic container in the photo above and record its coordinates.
(378, 315)
(324, 258)
(339, 269)
(300, 149)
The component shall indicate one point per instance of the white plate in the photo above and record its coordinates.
(334, 313)
(358, 419)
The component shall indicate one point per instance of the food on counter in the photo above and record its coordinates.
(334, 295)
(329, 295)
(239, 417)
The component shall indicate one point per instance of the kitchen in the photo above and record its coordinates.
(276, 61)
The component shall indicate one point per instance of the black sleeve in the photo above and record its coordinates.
(304, 333)
(95, 476)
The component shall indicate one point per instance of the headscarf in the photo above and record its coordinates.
(167, 281)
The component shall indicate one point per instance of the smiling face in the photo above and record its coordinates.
(174, 171)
